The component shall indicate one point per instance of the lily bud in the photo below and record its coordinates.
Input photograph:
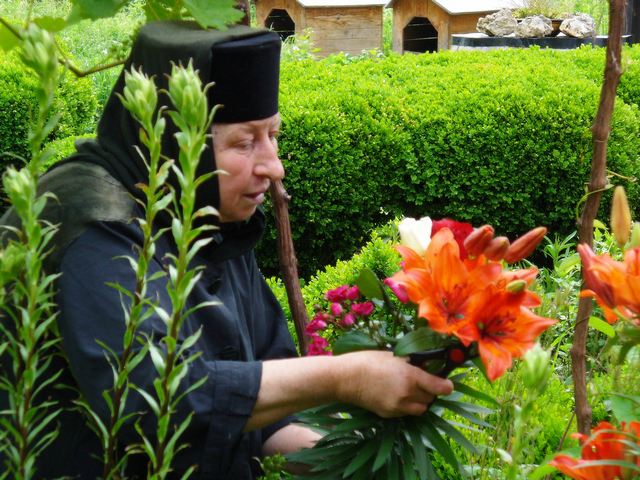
(620, 216)
(415, 234)
(635, 236)
(497, 248)
(536, 369)
(516, 286)
(478, 240)
(139, 95)
(525, 245)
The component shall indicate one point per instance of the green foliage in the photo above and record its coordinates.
(475, 136)
(75, 103)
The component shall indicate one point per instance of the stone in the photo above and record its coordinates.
(579, 25)
(534, 27)
(499, 24)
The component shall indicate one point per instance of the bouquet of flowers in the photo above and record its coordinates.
(454, 302)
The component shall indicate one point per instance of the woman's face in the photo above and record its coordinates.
(248, 153)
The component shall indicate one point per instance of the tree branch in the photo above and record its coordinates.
(600, 130)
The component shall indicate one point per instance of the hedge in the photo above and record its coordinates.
(499, 137)
(76, 103)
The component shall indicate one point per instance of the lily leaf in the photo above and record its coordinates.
(369, 285)
(214, 13)
(353, 341)
(365, 453)
(414, 341)
(602, 326)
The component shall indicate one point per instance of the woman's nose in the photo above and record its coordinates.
(269, 164)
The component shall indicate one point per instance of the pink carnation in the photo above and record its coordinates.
(353, 293)
(314, 325)
(318, 346)
(337, 294)
(336, 309)
(348, 320)
(362, 309)
(399, 290)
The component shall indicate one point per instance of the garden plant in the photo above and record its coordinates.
(452, 297)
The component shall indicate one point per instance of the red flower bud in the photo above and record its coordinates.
(497, 248)
(525, 245)
(478, 240)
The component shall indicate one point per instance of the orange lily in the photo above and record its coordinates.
(615, 285)
(605, 443)
(504, 328)
(442, 284)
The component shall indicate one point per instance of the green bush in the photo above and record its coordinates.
(498, 137)
(76, 104)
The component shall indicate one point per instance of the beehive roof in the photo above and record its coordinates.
(458, 7)
(343, 3)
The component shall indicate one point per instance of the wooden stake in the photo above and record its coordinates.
(288, 262)
(600, 130)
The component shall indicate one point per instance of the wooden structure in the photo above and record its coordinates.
(348, 26)
(427, 25)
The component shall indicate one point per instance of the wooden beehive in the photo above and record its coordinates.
(427, 25)
(349, 26)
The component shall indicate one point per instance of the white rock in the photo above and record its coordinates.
(533, 27)
(579, 25)
(498, 24)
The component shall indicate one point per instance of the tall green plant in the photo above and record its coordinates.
(28, 300)
(170, 356)
(140, 97)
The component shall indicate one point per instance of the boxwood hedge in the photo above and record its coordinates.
(76, 103)
(499, 137)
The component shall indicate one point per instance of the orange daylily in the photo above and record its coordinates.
(605, 443)
(503, 327)
(615, 285)
(442, 284)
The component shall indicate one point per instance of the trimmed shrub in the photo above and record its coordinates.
(498, 137)
(75, 102)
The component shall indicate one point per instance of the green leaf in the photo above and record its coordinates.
(94, 9)
(420, 454)
(214, 13)
(440, 444)
(384, 452)
(7, 39)
(366, 451)
(472, 392)
(369, 285)
(51, 24)
(413, 342)
(602, 326)
(353, 341)
(625, 408)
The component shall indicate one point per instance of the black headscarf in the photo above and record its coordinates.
(243, 64)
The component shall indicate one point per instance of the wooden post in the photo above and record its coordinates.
(288, 262)
(600, 130)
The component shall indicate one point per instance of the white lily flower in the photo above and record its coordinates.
(415, 234)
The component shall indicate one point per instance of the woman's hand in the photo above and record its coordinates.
(388, 385)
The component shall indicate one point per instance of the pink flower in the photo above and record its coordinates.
(336, 309)
(318, 346)
(398, 289)
(337, 294)
(353, 293)
(362, 309)
(348, 320)
(314, 325)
